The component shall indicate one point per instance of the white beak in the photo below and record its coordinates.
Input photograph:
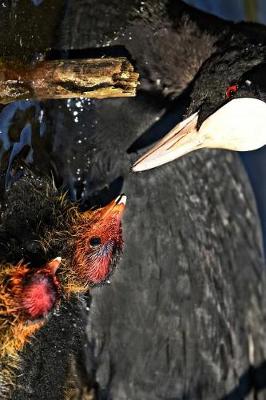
(239, 125)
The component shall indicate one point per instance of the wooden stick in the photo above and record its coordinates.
(59, 79)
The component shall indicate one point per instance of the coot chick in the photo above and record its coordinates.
(26, 299)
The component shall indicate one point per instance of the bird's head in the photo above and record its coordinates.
(44, 223)
(97, 245)
(227, 108)
(34, 293)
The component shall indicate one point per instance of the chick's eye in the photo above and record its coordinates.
(230, 91)
(95, 241)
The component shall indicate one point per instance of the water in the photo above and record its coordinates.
(223, 8)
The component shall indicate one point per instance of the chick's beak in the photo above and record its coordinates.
(238, 125)
(54, 265)
(115, 208)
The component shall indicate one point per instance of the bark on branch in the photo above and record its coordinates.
(58, 79)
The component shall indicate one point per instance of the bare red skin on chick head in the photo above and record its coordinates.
(38, 297)
(41, 291)
(99, 241)
(36, 292)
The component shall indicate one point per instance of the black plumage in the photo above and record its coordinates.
(184, 314)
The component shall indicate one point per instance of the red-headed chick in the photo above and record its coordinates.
(27, 296)
(96, 244)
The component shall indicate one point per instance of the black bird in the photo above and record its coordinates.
(184, 315)
(227, 100)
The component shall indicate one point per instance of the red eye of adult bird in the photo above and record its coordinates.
(230, 91)
(98, 243)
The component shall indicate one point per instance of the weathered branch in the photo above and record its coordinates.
(58, 79)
